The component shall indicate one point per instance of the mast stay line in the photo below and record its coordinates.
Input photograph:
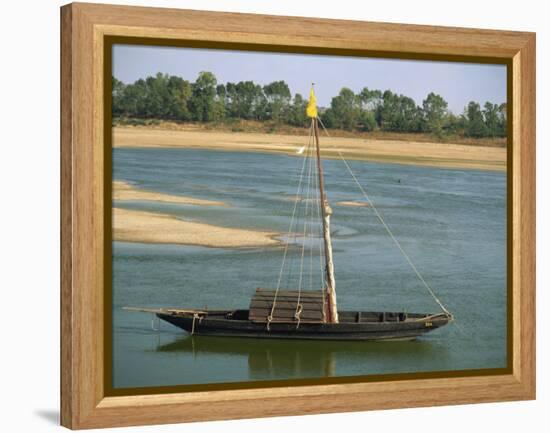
(388, 230)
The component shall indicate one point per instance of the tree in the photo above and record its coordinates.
(180, 92)
(475, 124)
(202, 102)
(278, 96)
(172, 98)
(296, 114)
(261, 109)
(117, 98)
(399, 113)
(244, 99)
(367, 120)
(132, 102)
(370, 99)
(219, 108)
(502, 119)
(455, 124)
(434, 108)
(491, 118)
(345, 110)
(410, 115)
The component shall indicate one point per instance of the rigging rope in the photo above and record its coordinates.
(413, 267)
(306, 206)
(270, 317)
(319, 203)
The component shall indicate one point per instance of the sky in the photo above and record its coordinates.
(458, 83)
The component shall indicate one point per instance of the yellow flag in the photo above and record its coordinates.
(312, 104)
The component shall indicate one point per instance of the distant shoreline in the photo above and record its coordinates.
(420, 153)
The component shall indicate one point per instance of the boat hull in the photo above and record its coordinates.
(378, 326)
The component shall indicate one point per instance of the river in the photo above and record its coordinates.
(452, 223)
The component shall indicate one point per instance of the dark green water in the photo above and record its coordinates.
(451, 222)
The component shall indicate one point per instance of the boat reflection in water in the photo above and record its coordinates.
(295, 359)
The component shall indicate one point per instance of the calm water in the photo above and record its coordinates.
(451, 222)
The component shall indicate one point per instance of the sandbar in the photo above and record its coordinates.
(123, 191)
(148, 227)
(353, 203)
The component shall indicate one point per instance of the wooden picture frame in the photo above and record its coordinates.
(85, 28)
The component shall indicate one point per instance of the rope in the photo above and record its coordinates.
(297, 314)
(413, 267)
(195, 317)
(320, 237)
(270, 316)
(311, 234)
(306, 206)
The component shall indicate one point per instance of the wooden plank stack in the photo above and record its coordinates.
(286, 303)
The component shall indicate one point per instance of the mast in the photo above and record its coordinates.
(326, 211)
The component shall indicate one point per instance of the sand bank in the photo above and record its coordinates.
(444, 155)
(124, 191)
(137, 226)
(353, 203)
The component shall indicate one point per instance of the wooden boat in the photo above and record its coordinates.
(309, 314)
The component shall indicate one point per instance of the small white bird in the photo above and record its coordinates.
(301, 150)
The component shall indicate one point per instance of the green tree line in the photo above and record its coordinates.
(167, 97)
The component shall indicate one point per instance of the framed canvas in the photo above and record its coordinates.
(183, 137)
